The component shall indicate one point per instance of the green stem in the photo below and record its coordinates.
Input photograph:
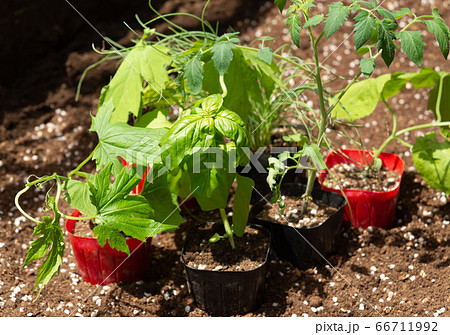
(227, 226)
(309, 187)
(421, 126)
(16, 201)
(223, 86)
(83, 162)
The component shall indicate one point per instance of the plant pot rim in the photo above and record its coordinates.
(253, 225)
(256, 207)
(324, 172)
(77, 213)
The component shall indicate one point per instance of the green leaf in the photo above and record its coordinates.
(393, 86)
(385, 41)
(136, 145)
(427, 77)
(212, 103)
(386, 14)
(266, 54)
(314, 21)
(374, 4)
(223, 55)
(163, 202)
(144, 63)
(361, 98)
(363, 50)
(118, 212)
(193, 72)
(398, 14)
(337, 14)
(156, 118)
(78, 196)
(367, 4)
(438, 27)
(363, 29)
(367, 66)
(241, 204)
(432, 160)
(215, 238)
(280, 4)
(412, 44)
(51, 237)
(313, 152)
(300, 139)
(295, 26)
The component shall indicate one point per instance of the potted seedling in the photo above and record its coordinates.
(204, 146)
(374, 34)
(110, 230)
(371, 179)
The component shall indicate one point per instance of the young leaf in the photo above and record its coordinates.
(412, 44)
(222, 55)
(363, 29)
(438, 27)
(280, 4)
(367, 66)
(241, 204)
(136, 145)
(295, 25)
(314, 21)
(432, 160)
(265, 54)
(337, 14)
(363, 50)
(385, 41)
(193, 73)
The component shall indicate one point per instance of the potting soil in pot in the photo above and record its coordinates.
(250, 251)
(351, 176)
(314, 216)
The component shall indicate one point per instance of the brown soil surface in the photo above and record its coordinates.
(84, 228)
(316, 214)
(250, 250)
(351, 176)
(403, 271)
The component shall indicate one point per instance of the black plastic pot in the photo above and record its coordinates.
(304, 247)
(261, 187)
(224, 293)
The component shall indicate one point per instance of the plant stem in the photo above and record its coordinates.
(16, 202)
(223, 86)
(226, 224)
(309, 187)
(83, 162)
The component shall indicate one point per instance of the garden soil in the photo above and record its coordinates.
(403, 271)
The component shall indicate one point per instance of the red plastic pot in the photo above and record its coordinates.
(101, 266)
(137, 189)
(368, 208)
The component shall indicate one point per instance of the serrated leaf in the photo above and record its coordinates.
(367, 66)
(385, 41)
(363, 29)
(314, 21)
(366, 3)
(280, 4)
(386, 14)
(412, 45)
(78, 196)
(143, 63)
(374, 4)
(265, 54)
(136, 145)
(241, 204)
(295, 26)
(222, 55)
(193, 73)
(337, 14)
(398, 14)
(432, 160)
(438, 27)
